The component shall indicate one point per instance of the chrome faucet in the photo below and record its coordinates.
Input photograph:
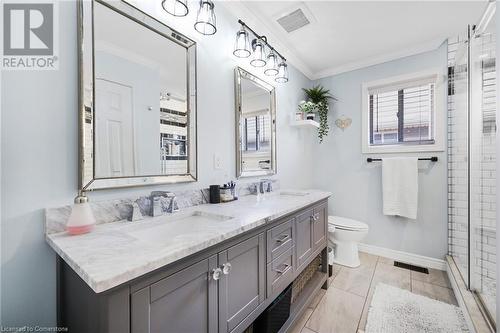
(156, 207)
(265, 185)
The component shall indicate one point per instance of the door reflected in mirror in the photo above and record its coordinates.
(256, 125)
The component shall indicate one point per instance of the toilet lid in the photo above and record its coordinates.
(345, 223)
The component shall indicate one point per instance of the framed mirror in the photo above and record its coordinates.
(255, 125)
(137, 99)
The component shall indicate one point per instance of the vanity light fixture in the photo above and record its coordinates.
(177, 8)
(282, 76)
(242, 44)
(205, 20)
(259, 53)
(274, 64)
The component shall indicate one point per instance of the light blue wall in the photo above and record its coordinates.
(39, 155)
(341, 168)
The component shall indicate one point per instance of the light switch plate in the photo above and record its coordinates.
(217, 162)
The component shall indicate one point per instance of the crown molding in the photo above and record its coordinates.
(418, 49)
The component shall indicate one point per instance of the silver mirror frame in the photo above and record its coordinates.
(239, 74)
(86, 151)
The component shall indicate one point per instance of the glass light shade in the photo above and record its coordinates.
(242, 44)
(272, 64)
(81, 219)
(259, 54)
(205, 21)
(282, 76)
(175, 7)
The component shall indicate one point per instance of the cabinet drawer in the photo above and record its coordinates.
(279, 239)
(280, 272)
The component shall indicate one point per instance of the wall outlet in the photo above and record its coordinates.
(217, 162)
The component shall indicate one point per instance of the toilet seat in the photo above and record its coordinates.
(344, 223)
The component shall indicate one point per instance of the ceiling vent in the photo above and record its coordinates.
(293, 21)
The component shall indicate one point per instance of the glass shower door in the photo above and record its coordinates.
(472, 162)
(482, 167)
(458, 152)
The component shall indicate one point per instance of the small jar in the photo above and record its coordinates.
(226, 194)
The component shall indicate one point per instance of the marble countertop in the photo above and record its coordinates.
(115, 253)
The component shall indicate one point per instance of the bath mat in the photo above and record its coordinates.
(395, 310)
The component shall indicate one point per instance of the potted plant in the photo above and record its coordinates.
(317, 100)
(307, 108)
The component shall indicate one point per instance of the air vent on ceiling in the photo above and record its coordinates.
(293, 21)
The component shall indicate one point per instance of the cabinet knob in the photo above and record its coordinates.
(216, 273)
(226, 268)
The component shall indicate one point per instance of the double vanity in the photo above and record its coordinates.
(206, 268)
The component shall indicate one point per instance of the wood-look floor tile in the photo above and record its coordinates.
(317, 298)
(391, 275)
(439, 293)
(299, 325)
(353, 281)
(338, 312)
(435, 276)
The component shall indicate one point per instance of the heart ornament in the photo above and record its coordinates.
(343, 122)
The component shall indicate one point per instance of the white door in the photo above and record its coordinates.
(114, 130)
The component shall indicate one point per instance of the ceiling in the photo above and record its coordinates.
(346, 35)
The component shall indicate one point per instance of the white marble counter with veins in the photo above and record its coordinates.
(115, 253)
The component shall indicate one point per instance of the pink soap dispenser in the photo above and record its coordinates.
(81, 219)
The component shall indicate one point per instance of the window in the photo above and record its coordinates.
(256, 133)
(401, 114)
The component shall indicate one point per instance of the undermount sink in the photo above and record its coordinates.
(193, 223)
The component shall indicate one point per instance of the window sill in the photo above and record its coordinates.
(402, 149)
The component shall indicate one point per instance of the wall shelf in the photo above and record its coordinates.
(304, 123)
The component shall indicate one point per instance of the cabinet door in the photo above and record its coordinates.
(303, 236)
(320, 225)
(183, 302)
(241, 288)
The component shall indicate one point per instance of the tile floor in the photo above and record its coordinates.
(343, 308)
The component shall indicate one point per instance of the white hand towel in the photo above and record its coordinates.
(400, 186)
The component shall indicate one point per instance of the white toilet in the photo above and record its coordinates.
(346, 235)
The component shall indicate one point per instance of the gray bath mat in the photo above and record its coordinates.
(394, 310)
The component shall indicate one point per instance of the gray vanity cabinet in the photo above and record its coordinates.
(304, 245)
(183, 302)
(242, 285)
(320, 225)
(222, 289)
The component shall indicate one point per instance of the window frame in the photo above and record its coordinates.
(439, 80)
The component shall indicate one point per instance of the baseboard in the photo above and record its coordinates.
(406, 257)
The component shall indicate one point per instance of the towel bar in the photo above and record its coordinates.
(432, 159)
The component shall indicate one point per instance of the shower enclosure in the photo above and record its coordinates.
(471, 160)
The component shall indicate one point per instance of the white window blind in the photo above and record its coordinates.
(402, 113)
